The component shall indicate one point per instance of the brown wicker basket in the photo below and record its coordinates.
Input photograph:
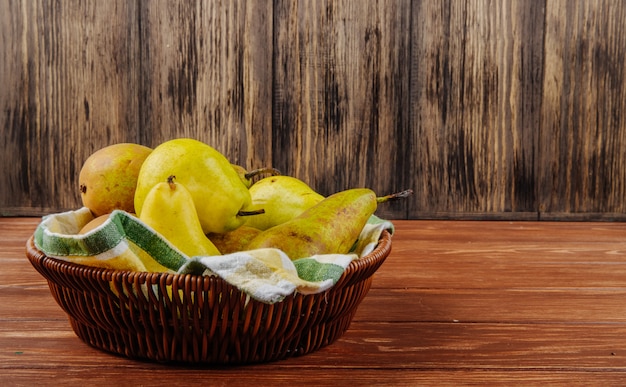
(200, 319)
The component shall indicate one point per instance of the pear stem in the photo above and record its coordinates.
(170, 181)
(394, 196)
(250, 213)
(259, 171)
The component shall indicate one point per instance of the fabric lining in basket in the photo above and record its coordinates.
(124, 242)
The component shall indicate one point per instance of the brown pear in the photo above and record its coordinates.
(233, 241)
(108, 178)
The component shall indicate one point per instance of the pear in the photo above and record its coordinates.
(169, 209)
(94, 223)
(247, 176)
(283, 198)
(108, 177)
(331, 226)
(219, 195)
(235, 240)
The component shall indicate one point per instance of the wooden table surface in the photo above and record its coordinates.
(456, 302)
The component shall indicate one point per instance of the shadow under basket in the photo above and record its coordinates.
(184, 318)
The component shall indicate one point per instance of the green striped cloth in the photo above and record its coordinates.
(124, 242)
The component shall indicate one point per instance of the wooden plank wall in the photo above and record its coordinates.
(487, 109)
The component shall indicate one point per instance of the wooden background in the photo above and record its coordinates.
(487, 109)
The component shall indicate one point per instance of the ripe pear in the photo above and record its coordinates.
(94, 223)
(247, 176)
(283, 198)
(331, 226)
(108, 177)
(169, 210)
(219, 195)
(235, 240)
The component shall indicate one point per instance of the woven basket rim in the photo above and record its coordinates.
(370, 261)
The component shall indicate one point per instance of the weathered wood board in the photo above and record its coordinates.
(486, 109)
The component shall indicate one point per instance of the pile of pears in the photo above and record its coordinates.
(195, 198)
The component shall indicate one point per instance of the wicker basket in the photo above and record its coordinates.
(200, 319)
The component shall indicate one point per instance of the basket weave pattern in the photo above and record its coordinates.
(200, 319)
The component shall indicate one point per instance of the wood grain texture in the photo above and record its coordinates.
(475, 96)
(456, 303)
(488, 110)
(582, 154)
(206, 74)
(70, 74)
(341, 93)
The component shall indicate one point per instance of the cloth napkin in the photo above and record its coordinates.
(124, 242)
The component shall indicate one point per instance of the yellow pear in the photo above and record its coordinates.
(283, 198)
(219, 195)
(330, 227)
(169, 209)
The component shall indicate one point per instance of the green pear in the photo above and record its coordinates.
(331, 226)
(169, 209)
(235, 240)
(219, 195)
(283, 198)
(247, 176)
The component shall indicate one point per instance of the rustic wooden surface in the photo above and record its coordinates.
(486, 109)
(456, 302)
